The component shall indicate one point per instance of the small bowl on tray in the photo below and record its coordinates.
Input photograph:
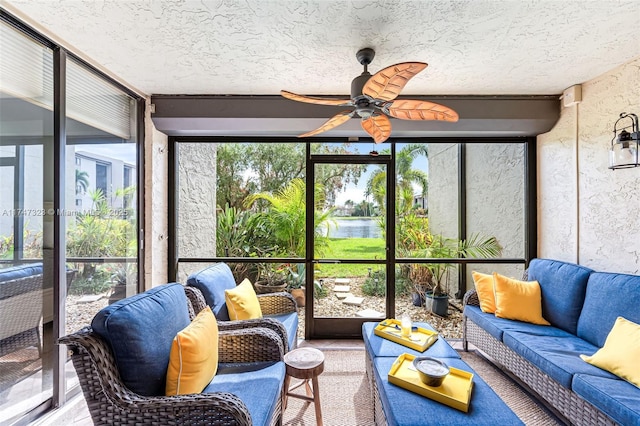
(432, 371)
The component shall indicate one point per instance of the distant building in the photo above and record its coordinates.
(420, 202)
(106, 174)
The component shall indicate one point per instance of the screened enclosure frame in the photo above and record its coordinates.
(529, 239)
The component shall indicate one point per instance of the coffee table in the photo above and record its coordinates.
(394, 405)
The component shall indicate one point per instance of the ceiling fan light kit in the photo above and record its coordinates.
(373, 98)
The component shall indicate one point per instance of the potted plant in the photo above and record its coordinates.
(421, 280)
(272, 278)
(477, 246)
(295, 283)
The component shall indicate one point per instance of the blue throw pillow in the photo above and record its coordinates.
(563, 286)
(212, 282)
(140, 330)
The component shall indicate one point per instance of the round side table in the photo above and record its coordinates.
(306, 364)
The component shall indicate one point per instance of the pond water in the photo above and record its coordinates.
(355, 228)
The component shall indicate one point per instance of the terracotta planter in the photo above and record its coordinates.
(299, 295)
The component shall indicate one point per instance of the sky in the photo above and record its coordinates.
(355, 193)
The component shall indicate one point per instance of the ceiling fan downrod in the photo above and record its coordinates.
(364, 56)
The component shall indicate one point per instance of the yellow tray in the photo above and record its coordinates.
(455, 390)
(420, 340)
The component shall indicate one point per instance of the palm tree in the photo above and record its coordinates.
(285, 216)
(406, 177)
(82, 181)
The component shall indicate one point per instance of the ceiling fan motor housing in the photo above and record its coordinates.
(357, 84)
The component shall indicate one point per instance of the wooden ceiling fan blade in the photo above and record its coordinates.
(412, 109)
(315, 99)
(335, 121)
(378, 126)
(389, 82)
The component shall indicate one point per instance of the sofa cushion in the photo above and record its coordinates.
(20, 271)
(290, 321)
(193, 360)
(140, 330)
(620, 354)
(9, 289)
(378, 346)
(212, 282)
(403, 407)
(242, 302)
(563, 287)
(614, 397)
(608, 297)
(243, 380)
(497, 326)
(557, 356)
(518, 300)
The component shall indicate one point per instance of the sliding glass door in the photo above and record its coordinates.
(69, 218)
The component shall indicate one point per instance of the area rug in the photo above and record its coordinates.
(17, 366)
(344, 393)
(346, 400)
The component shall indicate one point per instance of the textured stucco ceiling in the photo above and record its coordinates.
(473, 47)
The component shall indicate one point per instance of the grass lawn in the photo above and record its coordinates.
(351, 248)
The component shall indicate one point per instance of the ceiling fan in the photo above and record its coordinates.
(373, 99)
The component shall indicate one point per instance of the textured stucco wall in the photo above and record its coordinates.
(443, 189)
(495, 199)
(443, 197)
(196, 200)
(156, 163)
(587, 213)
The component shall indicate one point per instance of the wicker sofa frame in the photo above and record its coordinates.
(111, 402)
(561, 400)
(21, 304)
(270, 304)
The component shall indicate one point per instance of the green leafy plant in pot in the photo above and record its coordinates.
(476, 246)
(295, 283)
(272, 278)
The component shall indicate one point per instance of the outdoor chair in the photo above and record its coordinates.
(279, 310)
(22, 295)
(246, 390)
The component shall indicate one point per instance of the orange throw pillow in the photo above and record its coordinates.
(518, 300)
(484, 288)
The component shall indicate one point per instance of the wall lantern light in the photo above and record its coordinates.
(624, 145)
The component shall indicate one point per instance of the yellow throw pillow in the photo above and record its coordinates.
(193, 361)
(484, 288)
(242, 302)
(518, 300)
(621, 352)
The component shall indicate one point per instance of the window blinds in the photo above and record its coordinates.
(26, 72)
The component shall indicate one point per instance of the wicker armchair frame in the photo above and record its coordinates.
(270, 304)
(561, 400)
(21, 304)
(111, 402)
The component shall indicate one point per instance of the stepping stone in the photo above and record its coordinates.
(342, 281)
(341, 288)
(90, 298)
(343, 295)
(353, 300)
(369, 313)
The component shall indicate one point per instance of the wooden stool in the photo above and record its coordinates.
(306, 364)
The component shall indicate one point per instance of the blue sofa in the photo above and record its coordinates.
(582, 306)
(122, 360)
(279, 310)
